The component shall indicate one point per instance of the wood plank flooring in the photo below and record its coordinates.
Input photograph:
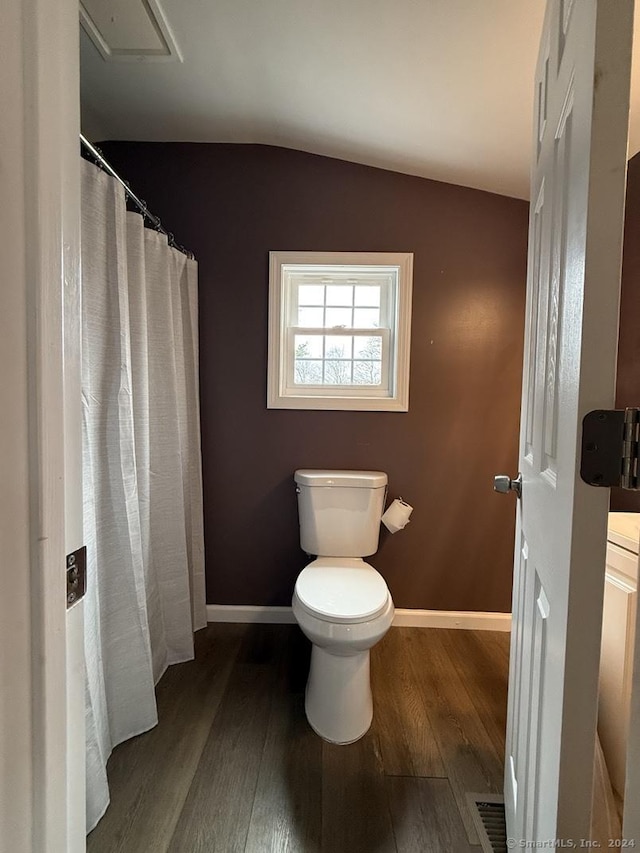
(233, 766)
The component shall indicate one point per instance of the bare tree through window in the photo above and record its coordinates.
(307, 371)
(367, 369)
(337, 369)
(340, 365)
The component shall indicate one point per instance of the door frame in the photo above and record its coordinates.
(42, 737)
(41, 652)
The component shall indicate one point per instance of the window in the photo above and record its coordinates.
(339, 329)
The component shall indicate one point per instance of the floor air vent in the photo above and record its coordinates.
(488, 817)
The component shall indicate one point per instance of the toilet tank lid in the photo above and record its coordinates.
(348, 479)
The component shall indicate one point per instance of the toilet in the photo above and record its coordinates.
(341, 603)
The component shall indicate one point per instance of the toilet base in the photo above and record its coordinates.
(338, 703)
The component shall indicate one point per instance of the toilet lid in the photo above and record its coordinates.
(342, 590)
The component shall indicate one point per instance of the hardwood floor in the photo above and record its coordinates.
(233, 766)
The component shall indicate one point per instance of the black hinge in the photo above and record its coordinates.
(610, 448)
(76, 575)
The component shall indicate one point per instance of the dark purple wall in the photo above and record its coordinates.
(231, 204)
(628, 388)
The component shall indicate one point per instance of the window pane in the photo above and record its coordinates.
(337, 372)
(368, 348)
(338, 346)
(308, 373)
(311, 317)
(367, 372)
(368, 296)
(339, 317)
(308, 346)
(311, 294)
(339, 294)
(366, 318)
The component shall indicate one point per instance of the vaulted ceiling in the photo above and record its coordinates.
(438, 88)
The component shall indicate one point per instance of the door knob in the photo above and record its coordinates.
(504, 484)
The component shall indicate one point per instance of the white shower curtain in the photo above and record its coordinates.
(142, 481)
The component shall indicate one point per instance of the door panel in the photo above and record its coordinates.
(575, 237)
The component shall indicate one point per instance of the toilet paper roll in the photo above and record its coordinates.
(397, 515)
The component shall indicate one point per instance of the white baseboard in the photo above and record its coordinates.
(405, 618)
(249, 613)
(453, 619)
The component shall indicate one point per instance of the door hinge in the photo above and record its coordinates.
(610, 448)
(76, 575)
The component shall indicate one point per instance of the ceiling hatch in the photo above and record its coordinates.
(129, 30)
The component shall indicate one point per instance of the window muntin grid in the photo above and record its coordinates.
(342, 360)
(339, 330)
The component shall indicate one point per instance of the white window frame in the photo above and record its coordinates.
(394, 271)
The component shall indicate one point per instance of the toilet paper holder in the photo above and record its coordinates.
(396, 515)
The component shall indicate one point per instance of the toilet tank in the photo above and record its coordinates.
(340, 511)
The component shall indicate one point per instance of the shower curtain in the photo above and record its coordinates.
(142, 481)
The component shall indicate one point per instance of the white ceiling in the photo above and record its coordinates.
(437, 88)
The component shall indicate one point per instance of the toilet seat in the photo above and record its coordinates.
(340, 589)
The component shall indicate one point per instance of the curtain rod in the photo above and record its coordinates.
(97, 155)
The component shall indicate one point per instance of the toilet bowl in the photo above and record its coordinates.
(344, 608)
(341, 603)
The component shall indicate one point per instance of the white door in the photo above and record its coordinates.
(575, 237)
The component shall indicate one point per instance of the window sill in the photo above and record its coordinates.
(335, 404)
